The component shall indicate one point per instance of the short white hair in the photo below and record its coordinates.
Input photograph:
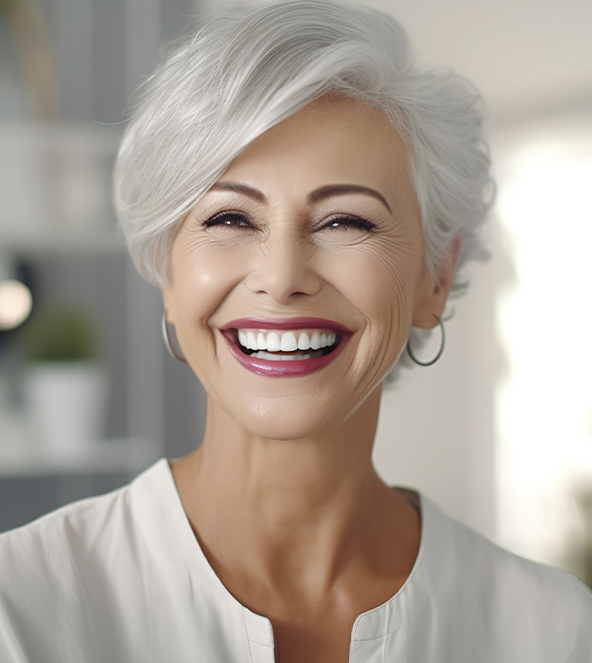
(248, 69)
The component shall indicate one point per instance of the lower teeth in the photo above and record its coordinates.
(285, 357)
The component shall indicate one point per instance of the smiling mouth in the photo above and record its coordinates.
(288, 345)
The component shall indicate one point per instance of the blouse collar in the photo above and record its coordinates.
(165, 523)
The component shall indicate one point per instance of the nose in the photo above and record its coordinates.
(284, 268)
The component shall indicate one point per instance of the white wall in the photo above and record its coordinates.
(526, 56)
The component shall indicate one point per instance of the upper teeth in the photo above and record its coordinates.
(287, 341)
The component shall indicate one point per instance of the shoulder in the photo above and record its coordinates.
(45, 555)
(84, 529)
(104, 578)
(63, 532)
(50, 572)
(535, 607)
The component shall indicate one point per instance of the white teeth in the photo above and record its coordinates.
(303, 341)
(288, 342)
(251, 341)
(273, 342)
(267, 355)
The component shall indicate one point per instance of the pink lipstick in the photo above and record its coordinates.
(285, 323)
(263, 348)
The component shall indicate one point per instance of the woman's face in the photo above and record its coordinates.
(316, 219)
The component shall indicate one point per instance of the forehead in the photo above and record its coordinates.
(330, 140)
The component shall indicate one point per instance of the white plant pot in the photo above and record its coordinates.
(67, 405)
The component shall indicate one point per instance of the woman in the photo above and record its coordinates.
(303, 196)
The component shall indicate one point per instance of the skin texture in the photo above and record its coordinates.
(281, 494)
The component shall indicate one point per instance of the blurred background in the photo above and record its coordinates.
(498, 432)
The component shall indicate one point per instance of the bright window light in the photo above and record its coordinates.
(544, 404)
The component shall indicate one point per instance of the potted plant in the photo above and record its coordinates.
(65, 385)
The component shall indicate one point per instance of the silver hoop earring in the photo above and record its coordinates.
(440, 351)
(165, 336)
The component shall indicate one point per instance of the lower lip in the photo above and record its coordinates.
(290, 368)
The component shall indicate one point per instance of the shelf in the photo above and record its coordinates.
(55, 187)
(104, 456)
(56, 193)
(63, 241)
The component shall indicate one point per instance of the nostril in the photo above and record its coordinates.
(284, 278)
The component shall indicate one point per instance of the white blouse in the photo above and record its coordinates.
(121, 578)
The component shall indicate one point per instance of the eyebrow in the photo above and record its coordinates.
(315, 196)
(240, 188)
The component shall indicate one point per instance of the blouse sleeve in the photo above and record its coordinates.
(582, 646)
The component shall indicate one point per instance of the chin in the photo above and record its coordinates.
(281, 421)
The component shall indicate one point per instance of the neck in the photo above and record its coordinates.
(268, 507)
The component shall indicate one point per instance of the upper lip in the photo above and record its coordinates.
(285, 323)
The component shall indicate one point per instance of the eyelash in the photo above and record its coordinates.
(346, 221)
(223, 219)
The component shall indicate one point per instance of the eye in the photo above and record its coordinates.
(229, 219)
(346, 223)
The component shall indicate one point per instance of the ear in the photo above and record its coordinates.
(168, 301)
(432, 303)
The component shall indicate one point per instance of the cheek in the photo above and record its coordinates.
(380, 281)
(203, 276)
